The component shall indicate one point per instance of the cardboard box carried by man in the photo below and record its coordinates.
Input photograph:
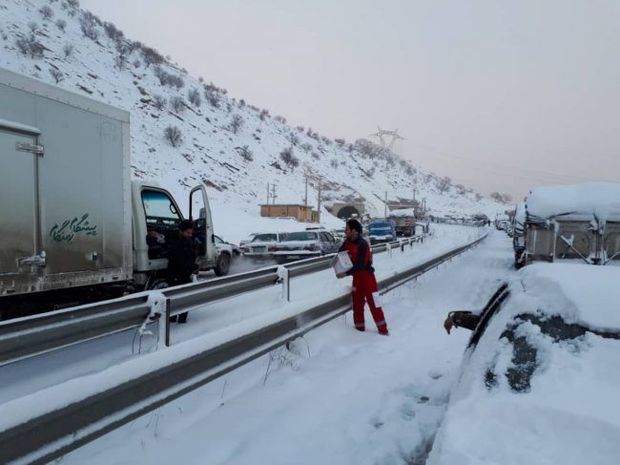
(342, 262)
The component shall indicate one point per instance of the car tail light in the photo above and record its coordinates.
(273, 248)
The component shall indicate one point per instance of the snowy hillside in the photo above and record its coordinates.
(184, 130)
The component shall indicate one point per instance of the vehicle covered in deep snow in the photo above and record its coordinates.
(540, 377)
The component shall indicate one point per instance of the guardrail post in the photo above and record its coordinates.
(167, 323)
(158, 304)
(283, 277)
(388, 248)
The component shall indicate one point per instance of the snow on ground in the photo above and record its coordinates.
(536, 390)
(338, 396)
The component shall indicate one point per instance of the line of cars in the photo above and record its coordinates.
(289, 246)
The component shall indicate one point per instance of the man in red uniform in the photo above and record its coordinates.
(364, 282)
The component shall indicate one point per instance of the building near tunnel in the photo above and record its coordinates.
(299, 212)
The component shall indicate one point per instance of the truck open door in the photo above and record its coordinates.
(19, 209)
(200, 213)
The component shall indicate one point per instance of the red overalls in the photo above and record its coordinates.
(364, 284)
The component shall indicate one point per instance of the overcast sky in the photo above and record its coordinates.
(498, 95)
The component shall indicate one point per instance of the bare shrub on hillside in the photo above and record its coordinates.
(280, 119)
(47, 12)
(212, 97)
(151, 56)
(68, 50)
(88, 26)
(161, 75)
(61, 24)
(193, 95)
(29, 45)
(443, 184)
(176, 81)
(245, 153)
(333, 163)
(294, 139)
(236, 123)
(289, 158)
(159, 102)
(113, 32)
(499, 197)
(173, 135)
(178, 104)
(306, 147)
(57, 75)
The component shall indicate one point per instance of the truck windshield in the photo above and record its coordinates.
(382, 226)
(159, 208)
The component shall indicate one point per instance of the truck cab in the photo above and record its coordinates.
(382, 230)
(155, 212)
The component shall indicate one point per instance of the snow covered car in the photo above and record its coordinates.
(263, 245)
(540, 378)
(305, 244)
(220, 243)
(246, 241)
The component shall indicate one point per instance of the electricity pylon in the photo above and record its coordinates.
(382, 134)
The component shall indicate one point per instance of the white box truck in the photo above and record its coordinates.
(578, 222)
(73, 226)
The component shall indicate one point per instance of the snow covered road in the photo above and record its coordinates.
(337, 396)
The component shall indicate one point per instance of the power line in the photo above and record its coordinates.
(505, 169)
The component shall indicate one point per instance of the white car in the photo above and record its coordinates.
(263, 245)
(305, 244)
(540, 378)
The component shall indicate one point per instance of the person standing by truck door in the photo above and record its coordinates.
(364, 281)
(182, 259)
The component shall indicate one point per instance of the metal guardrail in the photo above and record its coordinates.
(68, 427)
(26, 337)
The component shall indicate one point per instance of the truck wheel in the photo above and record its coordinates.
(157, 284)
(222, 265)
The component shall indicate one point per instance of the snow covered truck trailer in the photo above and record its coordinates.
(404, 225)
(73, 225)
(575, 222)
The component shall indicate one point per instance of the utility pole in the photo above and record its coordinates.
(273, 194)
(306, 196)
(318, 209)
(268, 193)
(385, 207)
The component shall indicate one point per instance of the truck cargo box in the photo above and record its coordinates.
(64, 189)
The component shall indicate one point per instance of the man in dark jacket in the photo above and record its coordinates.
(182, 259)
(364, 281)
